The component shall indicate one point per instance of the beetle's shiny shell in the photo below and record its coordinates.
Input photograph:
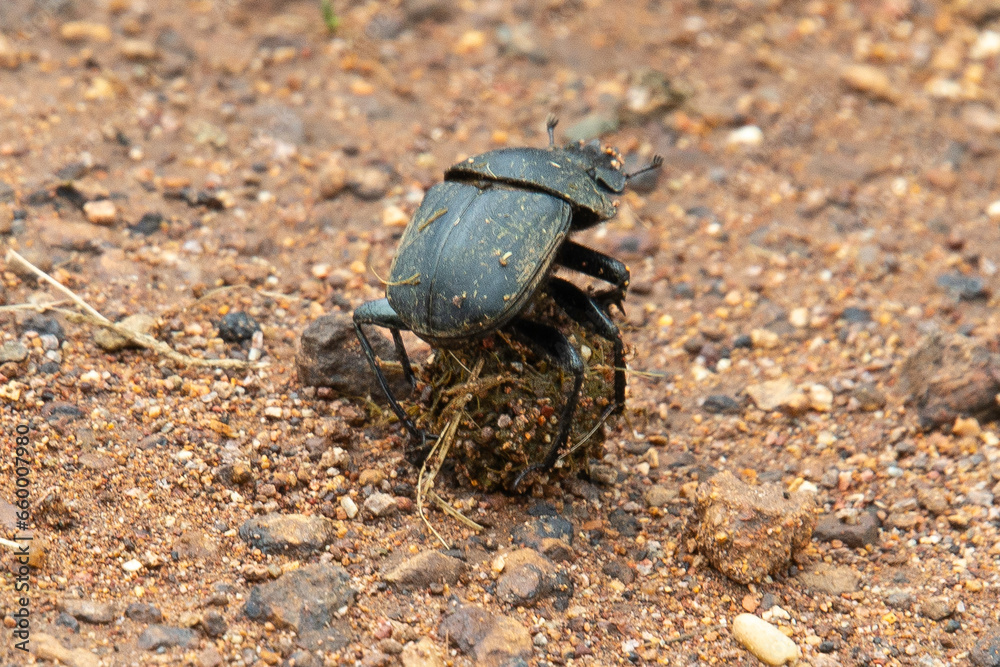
(567, 173)
(472, 257)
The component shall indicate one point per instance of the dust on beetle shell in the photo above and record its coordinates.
(516, 401)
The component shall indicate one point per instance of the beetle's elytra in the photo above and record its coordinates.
(482, 244)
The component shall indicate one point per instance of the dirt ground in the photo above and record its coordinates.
(828, 205)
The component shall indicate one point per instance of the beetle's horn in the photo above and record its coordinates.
(655, 164)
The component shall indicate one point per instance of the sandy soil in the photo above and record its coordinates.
(828, 204)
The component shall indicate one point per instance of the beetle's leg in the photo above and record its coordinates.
(553, 343)
(381, 314)
(404, 359)
(597, 265)
(550, 127)
(582, 308)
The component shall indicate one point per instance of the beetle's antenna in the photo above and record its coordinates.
(550, 127)
(655, 164)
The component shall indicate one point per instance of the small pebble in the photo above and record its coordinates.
(764, 640)
(748, 135)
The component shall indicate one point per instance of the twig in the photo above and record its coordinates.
(436, 457)
(37, 307)
(454, 513)
(91, 316)
(10, 544)
(55, 283)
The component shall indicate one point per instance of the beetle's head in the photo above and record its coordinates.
(604, 164)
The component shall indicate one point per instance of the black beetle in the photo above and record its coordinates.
(485, 241)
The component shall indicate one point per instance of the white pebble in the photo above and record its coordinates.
(799, 317)
(748, 135)
(986, 46)
(101, 212)
(91, 377)
(764, 640)
(820, 398)
(132, 566)
(993, 210)
(349, 506)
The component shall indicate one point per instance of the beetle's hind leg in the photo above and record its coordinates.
(553, 343)
(380, 313)
(586, 310)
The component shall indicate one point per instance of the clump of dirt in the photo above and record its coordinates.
(517, 395)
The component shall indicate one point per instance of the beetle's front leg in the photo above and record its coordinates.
(588, 311)
(597, 265)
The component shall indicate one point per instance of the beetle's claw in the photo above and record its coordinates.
(612, 297)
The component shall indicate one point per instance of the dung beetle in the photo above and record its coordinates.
(485, 241)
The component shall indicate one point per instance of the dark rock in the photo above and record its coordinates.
(721, 404)
(854, 315)
(438, 11)
(830, 579)
(292, 534)
(111, 341)
(492, 640)
(194, 545)
(986, 652)
(67, 621)
(14, 351)
(52, 511)
(71, 172)
(237, 327)
(626, 524)
(683, 291)
(749, 532)
(531, 534)
(868, 397)
(425, 568)
(143, 613)
(854, 534)
(302, 658)
(370, 183)
(380, 504)
(164, 636)
(619, 569)
(89, 611)
(936, 608)
(43, 324)
(966, 288)
(306, 600)
(952, 626)
(543, 508)
(148, 224)
(899, 600)
(330, 356)
(744, 341)
(952, 377)
(385, 25)
(48, 368)
(528, 577)
(214, 624)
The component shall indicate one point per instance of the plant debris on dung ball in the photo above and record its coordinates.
(512, 415)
